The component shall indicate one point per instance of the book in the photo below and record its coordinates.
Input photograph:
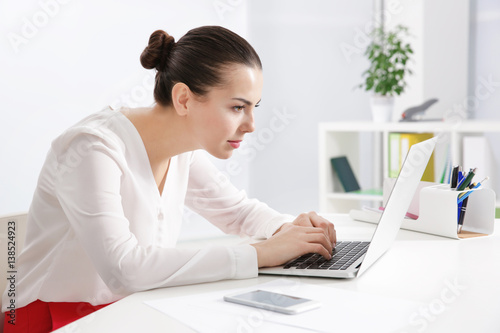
(447, 169)
(394, 155)
(343, 170)
(399, 145)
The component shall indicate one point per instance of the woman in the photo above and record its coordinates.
(108, 206)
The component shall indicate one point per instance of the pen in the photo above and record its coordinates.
(454, 177)
(462, 215)
(461, 179)
(466, 181)
(463, 196)
(459, 210)
(460, 175)
(462, 203)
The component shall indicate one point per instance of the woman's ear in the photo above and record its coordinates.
(180, 97)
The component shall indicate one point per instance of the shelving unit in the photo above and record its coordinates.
(366, 146)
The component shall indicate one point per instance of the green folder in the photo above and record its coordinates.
(394, 154)
(343, 169)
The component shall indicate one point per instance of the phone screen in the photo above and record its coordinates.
(267, 297)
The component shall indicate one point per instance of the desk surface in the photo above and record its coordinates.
(457, 280)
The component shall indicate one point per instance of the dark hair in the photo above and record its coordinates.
(197, 59)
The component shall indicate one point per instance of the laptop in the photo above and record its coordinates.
(352, 258)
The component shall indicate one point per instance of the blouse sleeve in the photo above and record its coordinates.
(88, 189)
(211, 194)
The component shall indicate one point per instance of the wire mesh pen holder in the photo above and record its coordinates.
(438, 213)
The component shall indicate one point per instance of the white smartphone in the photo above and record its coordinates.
(273, 301)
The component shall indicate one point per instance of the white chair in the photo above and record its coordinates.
(16, 225)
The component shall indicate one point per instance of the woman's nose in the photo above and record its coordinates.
(248, 125)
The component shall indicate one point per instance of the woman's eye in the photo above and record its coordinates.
(239, 108)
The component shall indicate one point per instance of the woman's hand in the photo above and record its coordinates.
(312, 219)
(309, 233)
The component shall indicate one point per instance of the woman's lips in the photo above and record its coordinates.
(234, 143)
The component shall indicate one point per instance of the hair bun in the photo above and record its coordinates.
(155, 55)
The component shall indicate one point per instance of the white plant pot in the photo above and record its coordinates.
(382, 108)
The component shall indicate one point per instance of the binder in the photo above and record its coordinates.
(394, 155)
(399, 145)
(345, 174)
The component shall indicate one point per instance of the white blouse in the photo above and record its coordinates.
(98, 228)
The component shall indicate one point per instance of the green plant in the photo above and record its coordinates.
(388, 57)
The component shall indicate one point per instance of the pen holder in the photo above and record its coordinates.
(438, 213)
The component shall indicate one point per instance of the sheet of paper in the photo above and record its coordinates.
(341, 310)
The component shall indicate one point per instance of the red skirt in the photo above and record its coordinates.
(43, 317)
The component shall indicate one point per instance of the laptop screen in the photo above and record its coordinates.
(399, 200)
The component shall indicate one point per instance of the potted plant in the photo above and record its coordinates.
(386, 76)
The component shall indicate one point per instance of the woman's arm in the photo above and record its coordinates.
(212, 195)
(88, 190)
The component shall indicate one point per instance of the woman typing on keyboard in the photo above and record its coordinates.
(108, 206)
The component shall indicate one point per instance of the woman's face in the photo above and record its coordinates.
(222, 117)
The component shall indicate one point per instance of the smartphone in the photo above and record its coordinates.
(273, 301)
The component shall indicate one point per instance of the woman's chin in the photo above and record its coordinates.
(223, 155)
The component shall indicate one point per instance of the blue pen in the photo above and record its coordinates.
(459, 207)
(460, 176)
(462, 215)
(467, 180)
(462, 203)
(462, 196)
(459, 180)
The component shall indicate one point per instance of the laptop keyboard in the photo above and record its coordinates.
(343, 256)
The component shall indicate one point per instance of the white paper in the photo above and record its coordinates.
(341, 310)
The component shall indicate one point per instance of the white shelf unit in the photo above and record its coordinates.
(366, 146)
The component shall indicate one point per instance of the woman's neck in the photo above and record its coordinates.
(163, 132)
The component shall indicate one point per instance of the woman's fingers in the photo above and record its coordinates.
(303, 220)
(320, 244)
(312, 219)
(315, 241)
(292, 242)
(322, 223)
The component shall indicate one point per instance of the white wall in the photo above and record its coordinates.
(446, 44)
(65, 59)
(484, 82)
(484, 75)
(440, 41)
(311, 52)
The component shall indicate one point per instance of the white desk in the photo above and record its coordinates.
(418, 267)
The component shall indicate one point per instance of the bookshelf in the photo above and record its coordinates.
(366, 146)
